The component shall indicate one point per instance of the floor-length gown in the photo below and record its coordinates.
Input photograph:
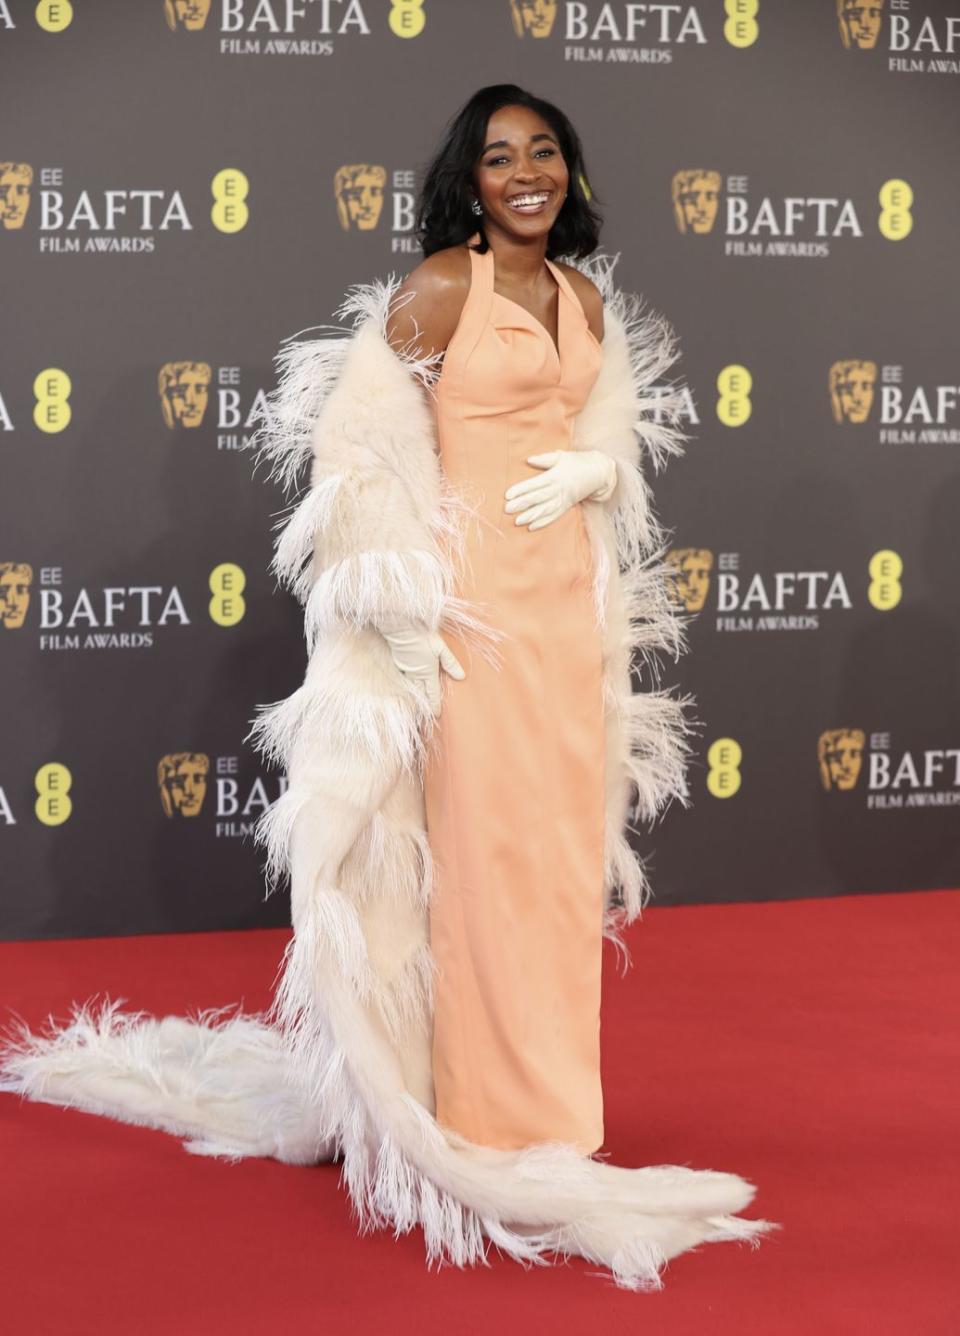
(514, 780)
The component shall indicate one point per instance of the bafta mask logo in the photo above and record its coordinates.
(533, 18)
(859, 23)
(16, 178)
(359, 193)
(15, 580)
(190, 15)
(851, 390)
(182, 779)
(184, 390)
(840, 755)
(696, 199)
(690, 576)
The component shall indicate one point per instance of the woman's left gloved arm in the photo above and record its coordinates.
(569, 476)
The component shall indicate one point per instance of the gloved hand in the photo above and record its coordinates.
(421, 653)
(571, 476)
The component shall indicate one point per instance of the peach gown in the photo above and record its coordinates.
(514, 778)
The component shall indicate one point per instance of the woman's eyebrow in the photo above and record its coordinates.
(502, 143)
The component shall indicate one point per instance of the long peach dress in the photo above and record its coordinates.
(514, 780)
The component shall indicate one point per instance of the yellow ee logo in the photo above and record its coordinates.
(53, 805)
(227, 581)
(723, 758)
(51, 390)
(740, 27)
(230, 189)
(885, 589)
(406, 18)
(54, 15)
(896, 220)
(734, 384)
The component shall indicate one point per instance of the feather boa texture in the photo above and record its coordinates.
(338, 1067)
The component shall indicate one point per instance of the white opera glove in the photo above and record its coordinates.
(421, 653)
(570, 476)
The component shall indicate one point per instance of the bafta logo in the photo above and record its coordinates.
(696, 198)
(859, 23)
(359, 193)
(690, 576)
(190, 15)
(15, 580)
(184, 389)
(840, 755)
(182, 780)
(533, 18)
(851, 390)
(16, 178)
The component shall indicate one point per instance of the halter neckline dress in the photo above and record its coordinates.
(514, 776)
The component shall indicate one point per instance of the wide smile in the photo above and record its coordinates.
(534, 201)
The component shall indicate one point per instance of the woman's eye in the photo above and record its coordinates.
(494, 162)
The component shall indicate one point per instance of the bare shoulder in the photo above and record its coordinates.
(427, 305)
(590, 297)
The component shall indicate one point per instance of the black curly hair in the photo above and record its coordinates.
(443, 215)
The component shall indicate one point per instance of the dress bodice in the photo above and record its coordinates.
(502, 361)
(505, 389)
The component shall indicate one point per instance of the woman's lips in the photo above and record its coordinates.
(530, 208)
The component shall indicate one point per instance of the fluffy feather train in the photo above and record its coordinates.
(338, 1066)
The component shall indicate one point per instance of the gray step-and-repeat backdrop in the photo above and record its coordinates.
(184, 184)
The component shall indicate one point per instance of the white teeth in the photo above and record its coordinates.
(526, 201)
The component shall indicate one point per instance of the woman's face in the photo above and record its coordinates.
(521, 157)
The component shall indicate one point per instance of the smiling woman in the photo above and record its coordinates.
(480, 566)
(516, 775)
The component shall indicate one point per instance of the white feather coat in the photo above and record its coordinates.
(339, 1065)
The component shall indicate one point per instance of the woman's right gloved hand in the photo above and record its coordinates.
(421, 653)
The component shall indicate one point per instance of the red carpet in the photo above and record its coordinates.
(811, 1046)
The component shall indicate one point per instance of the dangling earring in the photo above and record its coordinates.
(476, 206)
